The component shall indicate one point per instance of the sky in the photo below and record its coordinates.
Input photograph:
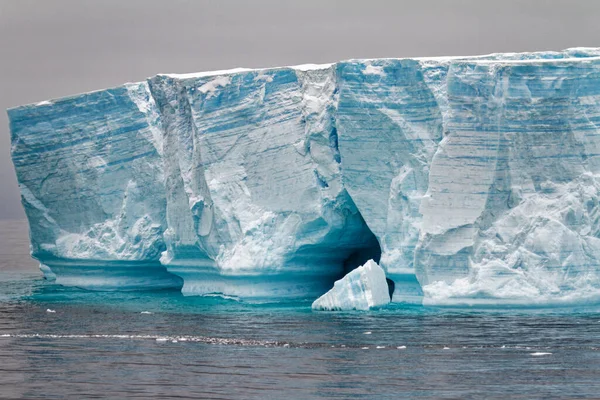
(54, 48)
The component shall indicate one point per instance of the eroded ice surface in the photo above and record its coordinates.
(361, 289)
(475, 178)
(92, 184)
(460, 165)
(253, 157)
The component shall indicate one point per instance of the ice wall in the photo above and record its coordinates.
(256, 207)
(421, 141)
(519, 206)
(475, 177)
(389, 125)
(91, 178)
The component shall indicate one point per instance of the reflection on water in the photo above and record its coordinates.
(159, 345)
(60, 342)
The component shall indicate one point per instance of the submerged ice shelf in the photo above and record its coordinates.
(469, 179)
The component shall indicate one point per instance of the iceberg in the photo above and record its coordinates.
(91, 179)
(259, 209)
(470, 180)
(361, 289)
(217, 183)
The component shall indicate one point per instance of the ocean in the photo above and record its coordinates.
(58, 342)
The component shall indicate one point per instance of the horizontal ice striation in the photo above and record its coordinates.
(423, 173)
(389, 125)
(91, 178)
(476, 178)
(256, 206)
(520, 205)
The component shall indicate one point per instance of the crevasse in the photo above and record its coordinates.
(473, 179)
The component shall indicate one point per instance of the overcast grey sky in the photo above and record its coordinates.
(53, 48)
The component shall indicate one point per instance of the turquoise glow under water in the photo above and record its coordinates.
(65, 342)
(58, 342)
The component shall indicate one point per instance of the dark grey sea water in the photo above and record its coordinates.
(67, 343)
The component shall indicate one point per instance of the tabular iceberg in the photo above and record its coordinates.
(469, 179)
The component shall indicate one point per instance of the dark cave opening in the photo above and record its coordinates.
(391, 287)
(371, 251)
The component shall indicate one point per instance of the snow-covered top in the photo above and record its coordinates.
(565, 60)
(591, 54)
(311, 67)
(302, 67)
(500, 58)
(492, 58)
(53, 101)
(210, 73)
(509, 58)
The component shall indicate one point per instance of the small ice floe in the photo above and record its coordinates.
(364, 348)
(540, 353)
(446, 348)
(50, 311)
(401, 347)
(367, 333)
(361, 289)
(146, 312)
(161, 339)
(380, 347)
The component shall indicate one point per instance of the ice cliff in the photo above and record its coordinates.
(469, 179)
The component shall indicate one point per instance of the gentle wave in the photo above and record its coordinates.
(267, 343)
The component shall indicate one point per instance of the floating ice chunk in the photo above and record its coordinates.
(50, 311)
(363, 288)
